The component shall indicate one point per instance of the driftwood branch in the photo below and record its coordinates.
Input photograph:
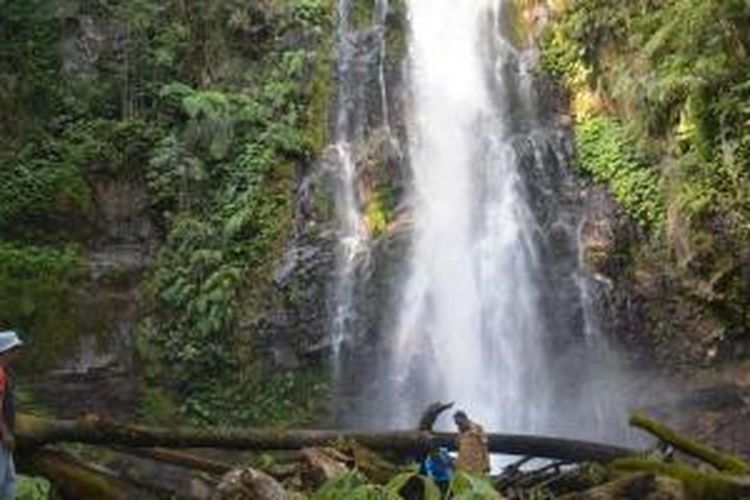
(722, 461)
(431, 414)
(36, 431)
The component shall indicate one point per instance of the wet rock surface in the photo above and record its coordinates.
(100, 375)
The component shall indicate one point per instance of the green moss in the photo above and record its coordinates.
(158, 407)
(513, 24)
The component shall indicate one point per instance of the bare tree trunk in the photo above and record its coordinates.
(36, 431)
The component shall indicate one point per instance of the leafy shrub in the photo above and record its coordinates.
(310, 13)
(281, 399)
(32, 488)
(353, 485)
(32, 185)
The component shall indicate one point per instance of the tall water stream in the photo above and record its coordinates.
(358, 51)
(495, 309)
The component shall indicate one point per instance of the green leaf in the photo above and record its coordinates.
(431, 491)
(468, 487)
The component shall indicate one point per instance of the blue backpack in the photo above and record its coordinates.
(438, 466)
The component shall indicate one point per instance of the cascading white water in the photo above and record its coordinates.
(493, 308)
(352, 235)
(352, 245)
(469, 325)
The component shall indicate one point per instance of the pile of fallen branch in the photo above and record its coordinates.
(578, 469)
(678, 468)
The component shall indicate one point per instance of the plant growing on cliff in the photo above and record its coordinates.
(677, 73)
(605, 151)
(670, 78)
(222, 179)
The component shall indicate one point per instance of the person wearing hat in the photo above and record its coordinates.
(9, 344)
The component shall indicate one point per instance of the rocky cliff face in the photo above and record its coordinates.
(662, 308)
(122, 59)
(118, 239)
(366, 113)
(93, 118)
(672, 291)
(99, 372)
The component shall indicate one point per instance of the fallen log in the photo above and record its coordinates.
(698, 484)
(36, 431)
(72, 477)
(638, 485)
(180, 459)
(722, 461)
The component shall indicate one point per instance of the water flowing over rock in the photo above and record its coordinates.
(490, 302)
(361, 113)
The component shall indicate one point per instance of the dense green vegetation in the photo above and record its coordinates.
(211, 107)
(661, 98)
(677, 73)
(224, 176)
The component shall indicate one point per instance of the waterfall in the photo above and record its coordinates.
(491, 305)
(494, 312)
(469, 327)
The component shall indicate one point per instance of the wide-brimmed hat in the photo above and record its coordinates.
(9, 340)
